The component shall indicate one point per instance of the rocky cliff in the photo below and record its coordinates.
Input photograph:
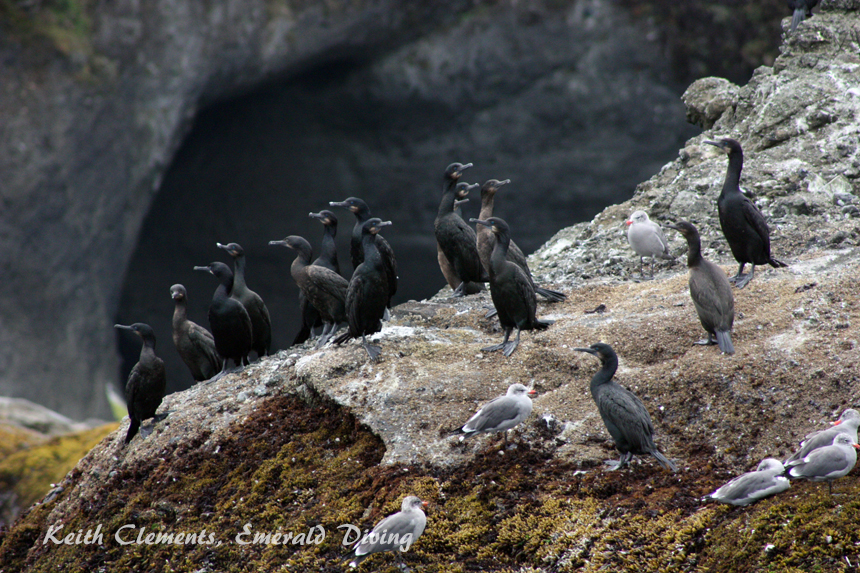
(314, 439)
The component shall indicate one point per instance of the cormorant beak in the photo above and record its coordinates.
(175, 295)
(589, 350)
(122, 327)
(278, 243)
(669, 226)
(207, 269)
(339, 204)
(718, 144)
(480, 222)
(505, 182)
(384, 223)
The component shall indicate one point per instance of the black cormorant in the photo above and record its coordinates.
(324, 289)
(511, 290)
(367, 295)
(486, 241)
(445, 265)
(710, 290)
(147, 381)
(195, 344)
(231, 326)
(801, 9)
(260, 319)
(362, 213)
(743, 224)
(328, 258)
(455, 238)
(623, 413)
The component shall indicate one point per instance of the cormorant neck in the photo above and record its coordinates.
(239, 271)
(500, 249)
(328, 249)
(371, 252)
(733, 173)
(180, 311)
(148, 346)
(487, 202)
(694, 251)
(608, 367)
(225, 288)
(446, 206)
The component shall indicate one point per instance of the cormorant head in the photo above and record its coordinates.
(600, 349)
(687, 229)
(141, 329)
(354, 204)
(325, 217)
(177, 292)
(637, 217)
(519, 390)
(463, 189)
(233, 248)
(489, 188)
(295, 243)
(219, 269)
(496, 225)
(454, 171)
(727, 145)
(373, 226)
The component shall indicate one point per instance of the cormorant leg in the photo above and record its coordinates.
(460, 290)
(511, 346)
(738, 276)
(711, 340)
(372, 351)
(744, 281)
(495, 347)
(491, 313)
(326, 334)
(386, 316)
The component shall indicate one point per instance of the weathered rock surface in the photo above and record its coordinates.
(288, 442)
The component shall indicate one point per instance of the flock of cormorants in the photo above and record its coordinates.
(240, 323)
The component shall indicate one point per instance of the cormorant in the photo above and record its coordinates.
(800, 9)
(444, 264)
(260, 320)
(710, 290)
(767, 479)
(362, 213)
(397, 532)
(647, 239)
(623, 413)
(502, 413)
(147, 381)
(742, 223)
(311, 318)
(454, 237)
(367, 295)
(231, 326)
(323, 288)
(847, 423)
(511, 290)
(828, 463)
(486, 241)
(195, 344)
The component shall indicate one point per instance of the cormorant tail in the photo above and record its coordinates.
(550, 295)
(724, 340)
(664, 461)
(797, 18)
(541, 324)
(776, 264)
(133, 427)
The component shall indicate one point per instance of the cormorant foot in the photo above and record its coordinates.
(373, 352)
(706, 342)
(493, 348)
(491, 313)
(742, 281)
(510, 347)
(613, 465)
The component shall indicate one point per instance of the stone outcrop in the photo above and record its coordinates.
(322, 438)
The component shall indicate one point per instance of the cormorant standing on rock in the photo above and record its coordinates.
(710, 290)
(356, 252)
(231, 326)
(147, 381)
(323, 288)
(767, 479)
(260, 320)
(454, 237)
(847, 423)
(444, 264)
(396, 533)
(486, 241)
(647, 239)
(800, 9)
(195, 344)
(328, 259)
(511, 290)
(623, 413)
(743, 224)
(828, 463)
(367, 295)
(502, 413)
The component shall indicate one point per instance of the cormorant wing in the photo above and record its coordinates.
(624, 411)
(756, 220)
(708, 298)
(328, 281)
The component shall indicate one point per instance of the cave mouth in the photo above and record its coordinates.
(251, 169)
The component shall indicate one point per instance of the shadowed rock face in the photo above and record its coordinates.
(567, 99)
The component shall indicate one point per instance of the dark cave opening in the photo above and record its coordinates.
(252, 168)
